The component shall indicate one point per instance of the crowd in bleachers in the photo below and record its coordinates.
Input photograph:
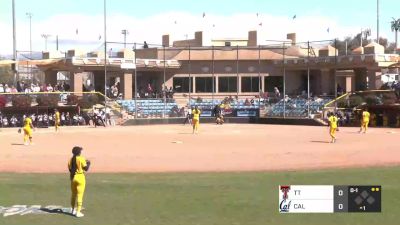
(151, 92)
(298, 106)
(44, 119)
(23, 87)
(152, 107)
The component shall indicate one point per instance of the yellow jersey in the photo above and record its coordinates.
(80, 164)
(27, 123)
(57, 116)
(333, 121)
(365, 116)
(196, 116)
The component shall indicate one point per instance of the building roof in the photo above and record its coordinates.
(229, 54)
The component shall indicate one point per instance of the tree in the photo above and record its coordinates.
(395, 26)
(352, 43)
(6, 75)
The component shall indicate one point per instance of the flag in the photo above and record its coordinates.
(175, 22)
(76, 31)
(204, 14)
(327, 30)
(213, 25)
(257, 14)
(99, 37)
(260, 24)
(294, 17)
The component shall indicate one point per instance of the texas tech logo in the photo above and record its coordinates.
(284, 205)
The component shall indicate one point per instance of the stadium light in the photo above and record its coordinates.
(124, 32)
(45, 36)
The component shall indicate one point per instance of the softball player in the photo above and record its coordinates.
(196, 119)
(28, 126)
(332, 126)
(364, 121)
(76, 166)
(57, 119)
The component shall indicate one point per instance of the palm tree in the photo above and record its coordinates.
(395, 25)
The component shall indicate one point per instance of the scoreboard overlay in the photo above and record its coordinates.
(329, 198)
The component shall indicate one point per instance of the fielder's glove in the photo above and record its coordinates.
(88, 162)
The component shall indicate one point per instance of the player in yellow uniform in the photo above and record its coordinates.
(28, 126)
(196, 119)
(56, 119)
(333, 120)
(76, 166)
(364, 121)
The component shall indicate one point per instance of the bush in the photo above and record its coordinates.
(21, 101)
(88, 101)
(48, 100)
(72, 100)
(356, 100)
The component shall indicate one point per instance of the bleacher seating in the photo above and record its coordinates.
(209, 104)
(150, 107)
(297, 107)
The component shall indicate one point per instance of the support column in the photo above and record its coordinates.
(328, 81)
(50, 77)
(127, 85)
(239, 82)
(194, 84)
(262, 83)
(372, 78)
(216, 84)
(349, 84)
(360, 79)
(76, 82)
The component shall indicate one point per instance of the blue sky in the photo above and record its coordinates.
(227, 17)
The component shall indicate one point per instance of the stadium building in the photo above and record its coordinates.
(233, 67)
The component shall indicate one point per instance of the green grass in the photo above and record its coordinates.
(192, 198)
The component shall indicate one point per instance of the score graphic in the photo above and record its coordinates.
(329, 198)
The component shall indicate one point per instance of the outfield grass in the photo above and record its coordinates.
(193, 198)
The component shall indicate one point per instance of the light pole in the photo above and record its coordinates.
(125, 32)
(377, 21)
(45, 36)
(29, 15)
(14, 44)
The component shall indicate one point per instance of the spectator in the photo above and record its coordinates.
(149, 89)
(66, 86)
(188, 114)
(339, 89)
(13, 89)
(19, 88)
(49, 88)
(7, 89)
(1, 88)
(277, 93)
(247, 102)
(114, 91)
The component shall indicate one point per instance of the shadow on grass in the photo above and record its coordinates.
(56, 211)
(16, 144)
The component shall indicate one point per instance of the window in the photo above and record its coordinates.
(250, 84)
(181, 84)
(227, 43)
(227, 84)
(273, 81)
(204, 84)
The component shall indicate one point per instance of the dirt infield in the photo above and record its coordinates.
(173, 148)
